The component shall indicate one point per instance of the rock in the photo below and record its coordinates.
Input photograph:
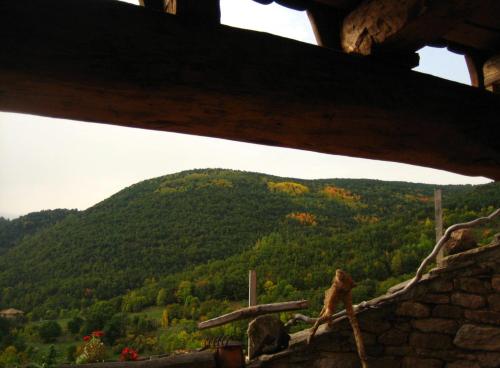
(447, 311)
(483, 316)
(463, 364)
(398, 350)
(460, 241)
(489, 360)
(478, 338)
(373, 325)
(411, 362)
(495, 282)
(385, 362)
(435, 299)
(413, 309)
(393, 336)
(494, 302)
(267, 334)
(471, 285)
(433, 341)
(336, 360)
(471, 301)
(441, 286)
(436, 325)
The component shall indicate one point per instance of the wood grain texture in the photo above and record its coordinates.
(403, 24)
(110, 62)
(253, 311)
(492, 74)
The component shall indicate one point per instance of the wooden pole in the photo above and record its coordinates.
(252, 288)
(252, 300)
(438, 214)
(256, 310)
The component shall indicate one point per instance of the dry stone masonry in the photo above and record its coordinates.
(451, 319)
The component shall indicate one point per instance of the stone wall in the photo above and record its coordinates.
(451, 319)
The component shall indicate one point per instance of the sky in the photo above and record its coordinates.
(50, 163)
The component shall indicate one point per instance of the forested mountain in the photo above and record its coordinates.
(12, 231)
(197, 233)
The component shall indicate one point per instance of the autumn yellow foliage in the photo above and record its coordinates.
(222, 183)
(418, 198)
(288, 187)
(340, 194)
(304, 218)
(366, 219)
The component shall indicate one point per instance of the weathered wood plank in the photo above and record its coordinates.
(111, 62)
(378, 25)
(253, 311)
(492, 74)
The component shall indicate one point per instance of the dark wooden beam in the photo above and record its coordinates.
(326, 23)
(491, 71)
(202, 11)
(110, 62)
(404, 25)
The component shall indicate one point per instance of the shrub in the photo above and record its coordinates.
(49, 331)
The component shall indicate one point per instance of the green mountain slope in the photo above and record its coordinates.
(207, 227)
(12, 231)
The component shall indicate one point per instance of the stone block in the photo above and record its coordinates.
(447, 311)
(385, 362)
(266, 335)
(402, 325)
(471, 301)
(432, 341)
(375, 350)
(413, 309)
(435, 299)
(412, 362)
(495, 282)
(489, 360)
(463, 364)
(336, 360)
(475, 337)
(494, 302)
(483, 316)
(460, 241)
(472, 285)
(447, 326)
(441, 286)
(373, 325)
(404, 350)
(393, 336)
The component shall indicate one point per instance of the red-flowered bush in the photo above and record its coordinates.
(128, 354)
(92, 350)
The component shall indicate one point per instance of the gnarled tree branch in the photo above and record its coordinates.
(418, 275)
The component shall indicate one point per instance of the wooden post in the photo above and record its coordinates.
(252, 288)
(438, 214)
(252, 299)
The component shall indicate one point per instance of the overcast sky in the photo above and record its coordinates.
(49, 163)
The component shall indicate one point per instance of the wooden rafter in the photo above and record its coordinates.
(111, 62)
(407, 25)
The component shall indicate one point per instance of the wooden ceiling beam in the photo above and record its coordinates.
(110, 62)
(406, 25)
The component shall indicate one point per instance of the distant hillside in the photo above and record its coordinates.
(12, 231)
(207, 227)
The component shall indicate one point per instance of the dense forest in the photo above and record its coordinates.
(181, 246)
